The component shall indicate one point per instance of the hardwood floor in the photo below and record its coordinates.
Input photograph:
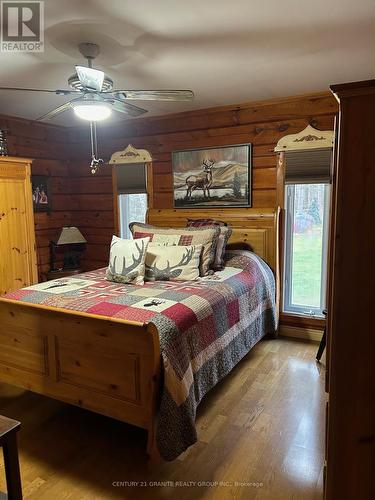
(263, 427)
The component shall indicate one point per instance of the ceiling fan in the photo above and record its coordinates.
(94, 97)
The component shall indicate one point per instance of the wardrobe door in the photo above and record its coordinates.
(351, 355)
(17, 238)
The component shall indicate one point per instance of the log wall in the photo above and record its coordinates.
(262, 124)
(86, 201)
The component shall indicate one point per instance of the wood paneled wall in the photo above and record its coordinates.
(262, 124)
(92, 208)
(86, 201)
(48, 146)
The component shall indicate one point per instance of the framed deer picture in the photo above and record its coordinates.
(212, 177)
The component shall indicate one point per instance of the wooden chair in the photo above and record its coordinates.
(323, 341)
(8, 441)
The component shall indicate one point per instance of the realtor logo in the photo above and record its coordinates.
(22, 26)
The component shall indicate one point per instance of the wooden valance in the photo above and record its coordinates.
(309, 138)
(131, 155)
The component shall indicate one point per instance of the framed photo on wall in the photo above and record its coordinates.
(41, 188)
(212, 177)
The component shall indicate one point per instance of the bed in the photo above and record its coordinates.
(126, 351)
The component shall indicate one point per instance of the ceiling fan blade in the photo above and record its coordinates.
(155, 95)
(67, 92)
(28, 90)
(58, 92)
(124, 107)
(91, 79)
(57, 111)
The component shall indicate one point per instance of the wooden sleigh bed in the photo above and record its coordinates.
(108, 365)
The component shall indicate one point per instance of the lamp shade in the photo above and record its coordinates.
(70, 235)
(92, 111)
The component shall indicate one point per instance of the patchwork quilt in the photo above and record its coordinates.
(205, 328)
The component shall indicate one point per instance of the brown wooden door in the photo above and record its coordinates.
(17, 238)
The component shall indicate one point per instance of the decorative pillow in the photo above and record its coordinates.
(167, 236)
(172, 262)
(127, 260)
(205, 222)
(224, 235)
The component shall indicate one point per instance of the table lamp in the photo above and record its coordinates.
(73, 237)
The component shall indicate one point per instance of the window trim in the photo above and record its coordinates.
(287, 307)
(149, 192)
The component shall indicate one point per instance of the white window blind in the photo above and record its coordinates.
(131, 178)
(132, 207)
(308, 167)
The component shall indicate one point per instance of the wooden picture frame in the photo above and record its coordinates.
(41, 192)
(213, 177)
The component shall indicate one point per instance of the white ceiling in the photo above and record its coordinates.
(225, 51)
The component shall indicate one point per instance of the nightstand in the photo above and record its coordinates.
(62, 273)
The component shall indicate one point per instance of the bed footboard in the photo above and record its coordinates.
(105, 365)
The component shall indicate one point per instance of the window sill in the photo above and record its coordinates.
(302, 321)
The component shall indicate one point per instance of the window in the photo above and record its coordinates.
(306, 238)
(132, 208)
(131, 187)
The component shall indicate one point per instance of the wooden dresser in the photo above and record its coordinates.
(18, 264)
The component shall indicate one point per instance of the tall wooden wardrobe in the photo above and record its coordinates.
(350, 471)
(18, 265)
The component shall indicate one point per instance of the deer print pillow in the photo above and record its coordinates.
(127, 260)
(172, 262)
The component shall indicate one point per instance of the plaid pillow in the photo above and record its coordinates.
(224, 235)
(205, 222)
(167, 236)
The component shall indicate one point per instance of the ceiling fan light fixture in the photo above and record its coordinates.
(92, 112)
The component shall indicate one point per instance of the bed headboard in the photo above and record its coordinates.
(258, 229)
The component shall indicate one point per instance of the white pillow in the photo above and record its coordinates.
(172, 262)
(127, 260)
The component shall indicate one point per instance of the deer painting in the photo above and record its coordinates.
(203, 182)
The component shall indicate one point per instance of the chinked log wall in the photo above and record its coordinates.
(86, 201)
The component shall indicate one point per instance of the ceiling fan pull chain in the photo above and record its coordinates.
(93, 140)
(95, 161)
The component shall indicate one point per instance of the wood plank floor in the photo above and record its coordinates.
(262, 427)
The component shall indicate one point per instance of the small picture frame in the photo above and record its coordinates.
(41, 192)
(212, 177)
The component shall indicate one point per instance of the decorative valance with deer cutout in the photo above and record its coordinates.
(131, 170)
(309, 138)
(130, 155)
(307, 156)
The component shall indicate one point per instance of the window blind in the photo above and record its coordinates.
(131, 178)
(308, 167)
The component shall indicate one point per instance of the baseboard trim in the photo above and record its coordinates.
(301, 333)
